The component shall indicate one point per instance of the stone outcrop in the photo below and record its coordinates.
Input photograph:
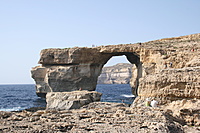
(165, 69)
(170, 85)
(117, 74)
(71, 100)
(177, 77)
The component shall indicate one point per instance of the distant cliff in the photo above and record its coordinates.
(117, 74)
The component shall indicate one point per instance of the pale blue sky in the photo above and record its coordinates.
(28, 26)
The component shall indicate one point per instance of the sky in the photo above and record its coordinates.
(28, 26)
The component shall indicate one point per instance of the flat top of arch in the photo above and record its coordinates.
(156, 44)
(101, 53)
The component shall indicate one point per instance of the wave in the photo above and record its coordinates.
(128, 96)
(12, 109)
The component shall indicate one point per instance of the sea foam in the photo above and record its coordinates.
(128, 96)
(12, 109)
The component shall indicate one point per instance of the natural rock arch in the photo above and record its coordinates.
(71, 69)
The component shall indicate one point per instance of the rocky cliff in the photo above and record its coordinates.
(118, 74)
(174, 74)
(165, 69)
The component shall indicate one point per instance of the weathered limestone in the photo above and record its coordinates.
(72, 56)
(65, 78)
(165, 69)
(71, 100)
(98, 117)
(186, 111)
(170, 84)
(73, 68)
(171, 75)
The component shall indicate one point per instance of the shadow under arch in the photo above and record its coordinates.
(133, 58)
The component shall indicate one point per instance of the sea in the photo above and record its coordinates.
(22, 96)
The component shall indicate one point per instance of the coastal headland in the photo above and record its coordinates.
(165, 70)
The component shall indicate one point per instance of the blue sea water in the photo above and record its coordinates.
(115, 93)
(19, 97)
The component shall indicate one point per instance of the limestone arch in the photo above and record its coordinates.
(65, 70)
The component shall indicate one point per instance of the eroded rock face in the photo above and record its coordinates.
(71, 100)
(72, 56)
(60, 78)
(173, 75)
(73, 68)
(165, 69)
(170, 84)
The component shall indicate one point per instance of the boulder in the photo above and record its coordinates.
(71, 100)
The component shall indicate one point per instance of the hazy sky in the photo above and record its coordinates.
(28, 26)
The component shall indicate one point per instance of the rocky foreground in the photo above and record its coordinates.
(106, 117)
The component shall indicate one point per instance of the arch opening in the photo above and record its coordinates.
(124, 90)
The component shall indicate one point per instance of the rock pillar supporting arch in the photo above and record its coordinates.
(134, 59)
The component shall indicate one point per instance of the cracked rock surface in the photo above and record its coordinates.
(96, 117)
